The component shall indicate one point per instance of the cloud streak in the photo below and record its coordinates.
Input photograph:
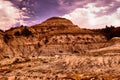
(88, 17)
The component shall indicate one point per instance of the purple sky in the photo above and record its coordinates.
(85, 13)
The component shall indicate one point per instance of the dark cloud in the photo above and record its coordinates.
(38, 8)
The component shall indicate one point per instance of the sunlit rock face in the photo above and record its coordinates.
(57, 49)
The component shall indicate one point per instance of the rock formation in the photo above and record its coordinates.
(55, 49)
(46, 37)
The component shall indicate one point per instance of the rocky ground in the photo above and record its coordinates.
(65, 67)
(96, 64)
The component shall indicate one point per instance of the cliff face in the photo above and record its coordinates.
(57, 49)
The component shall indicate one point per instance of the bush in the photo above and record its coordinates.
(6, 57)
(17, 33)
(108, 29)
(6, 38)
(108, 32)
(60, 51)
(39, 45)
(1, 30)
(26, 32)
(16, 61)
(46, 40)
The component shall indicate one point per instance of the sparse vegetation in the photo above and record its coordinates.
(16, 61)
(26, 32)
(46, 40)
(39, 45)
(6, 57)
(1, 30)
(17, 33)
(60, 51)
(6, 38)
(109, 31)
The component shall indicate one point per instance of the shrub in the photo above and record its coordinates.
(108, 32)
(108, 29)
(26, 32)
(39, 45)
(75, 51)
(1, 30)
(6, 56)
(6, 38)
(60, 51)
(16, 61)
(46, 40)
(17, 33)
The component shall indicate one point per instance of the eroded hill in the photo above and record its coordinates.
(57, 49)
(53, 33)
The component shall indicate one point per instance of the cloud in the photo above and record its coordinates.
(10, 15)
(117, 0)
(20, 0)
(29, 12)
(89, 16)
(69, 5)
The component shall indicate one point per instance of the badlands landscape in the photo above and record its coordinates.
(57, 49)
